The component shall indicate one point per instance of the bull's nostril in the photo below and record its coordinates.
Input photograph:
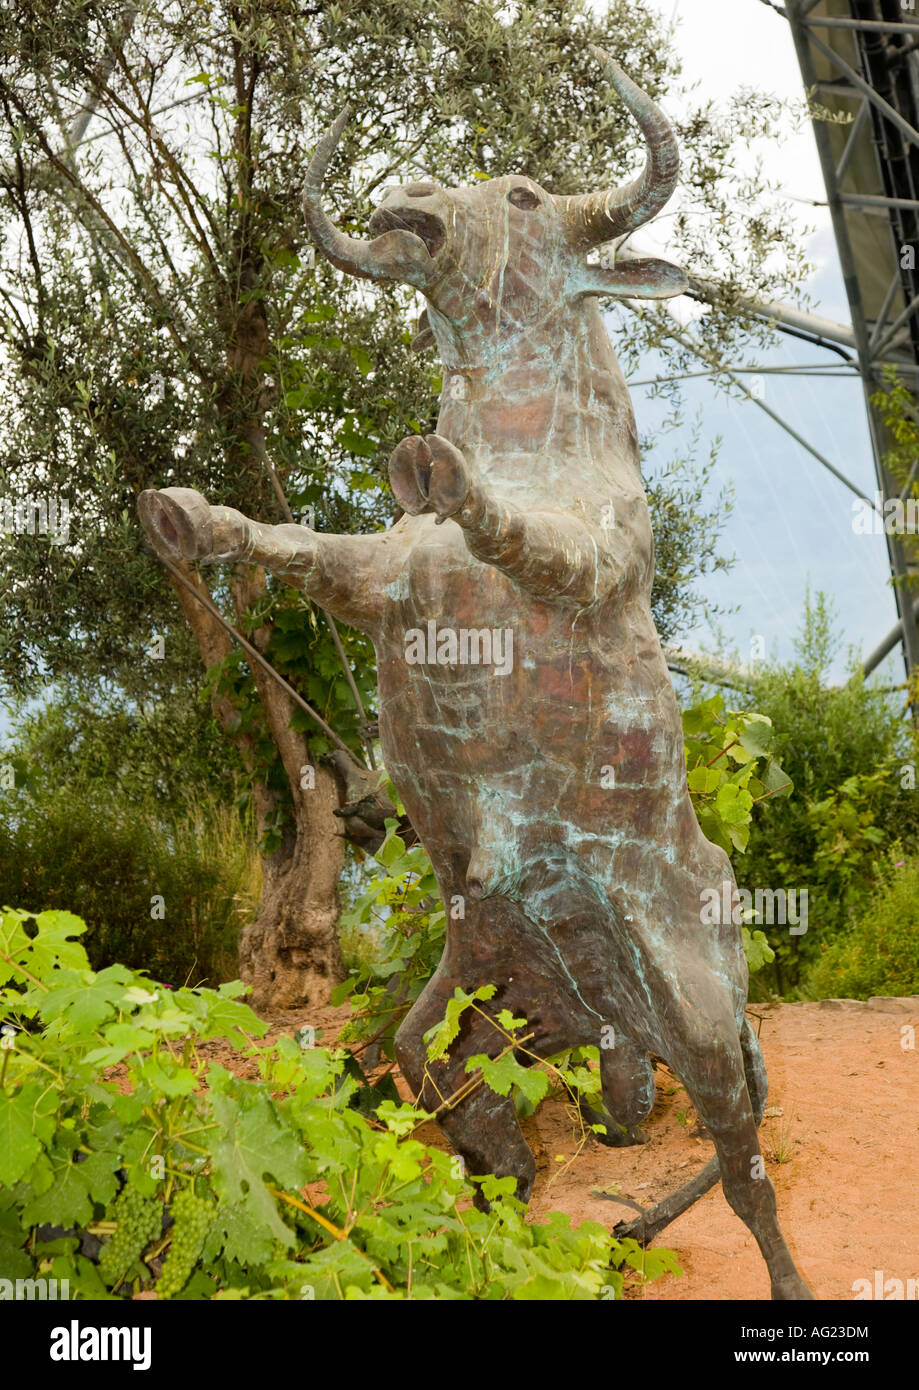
(166, 529)
(423, 224)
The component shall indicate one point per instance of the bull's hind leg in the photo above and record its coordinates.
(658, 1217)
(494, 944)
(714, 1064)
(745, 1184)
(627, 1080)
(483, 1128)
(729, 1117)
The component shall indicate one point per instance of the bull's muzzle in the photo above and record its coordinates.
(424, 225)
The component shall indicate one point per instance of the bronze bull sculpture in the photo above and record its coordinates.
(549, 788)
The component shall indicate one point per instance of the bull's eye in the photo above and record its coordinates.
(523, 198)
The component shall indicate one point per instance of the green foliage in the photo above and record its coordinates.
(402, 908)
(848, 750)
(107, 815)
(202, 1184)
(729, 768)
(576, 1069)
(116, 859)
(686, 530)
(161, 749)
(896, 405)
(847, 834)
(878, 953)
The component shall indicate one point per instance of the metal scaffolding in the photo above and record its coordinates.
(858, 59)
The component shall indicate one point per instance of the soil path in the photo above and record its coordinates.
(840, 1140)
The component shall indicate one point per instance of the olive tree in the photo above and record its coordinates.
(163, 322)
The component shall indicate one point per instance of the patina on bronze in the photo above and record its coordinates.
(582, 887)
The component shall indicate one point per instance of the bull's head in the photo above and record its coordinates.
(505, 254)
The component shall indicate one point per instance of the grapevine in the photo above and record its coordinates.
(139, 1222)
(192, 1222)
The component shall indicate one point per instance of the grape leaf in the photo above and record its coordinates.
(66, 1202)
(18, 1146)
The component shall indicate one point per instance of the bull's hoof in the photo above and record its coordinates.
(616, 1136)
(428, 475)
(178, 522)
(183, 526)
(621, 1137)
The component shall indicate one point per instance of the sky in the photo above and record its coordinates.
(792, 521)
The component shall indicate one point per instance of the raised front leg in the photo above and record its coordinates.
(345, 574)
(552, 555)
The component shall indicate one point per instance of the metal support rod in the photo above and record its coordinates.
(886, 646)
(881, 321)
(895, 327)
(701, 351)
(907, 486)
(255, 654)
(877, 200)
(854, 133)
(820, 329)
(835, 87)
(831, 372)
(825, 331)
(878, 26)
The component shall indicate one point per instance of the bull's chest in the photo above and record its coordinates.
(441, 582)
(467, 658)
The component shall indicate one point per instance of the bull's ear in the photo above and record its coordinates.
(634, 279)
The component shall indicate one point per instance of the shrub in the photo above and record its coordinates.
(165, 891)
(879, 953)
(126, 814)
(846, 749)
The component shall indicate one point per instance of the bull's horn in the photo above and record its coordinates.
(598, 217)
(396, 255)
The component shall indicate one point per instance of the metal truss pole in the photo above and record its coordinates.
(805, 41)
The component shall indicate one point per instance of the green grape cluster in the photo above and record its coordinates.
(140, 1220)
(192, 1222)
